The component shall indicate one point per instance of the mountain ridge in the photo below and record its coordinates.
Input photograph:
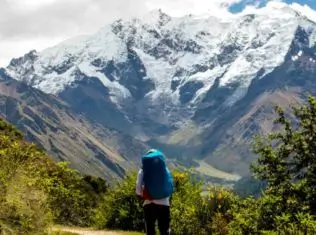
(183, 83)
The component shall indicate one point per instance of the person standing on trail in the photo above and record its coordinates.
(155, 186)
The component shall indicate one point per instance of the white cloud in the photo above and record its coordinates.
(21, 18)
(181, 7)
(15, 48)
(37, 24)
(30, 4)
(28, 24)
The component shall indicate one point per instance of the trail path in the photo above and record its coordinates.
(88, 232)
(82, 231)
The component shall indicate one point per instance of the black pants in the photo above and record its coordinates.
(160, 213)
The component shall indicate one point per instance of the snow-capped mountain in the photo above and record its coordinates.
(172, 80)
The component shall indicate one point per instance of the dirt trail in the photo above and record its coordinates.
(88, 232)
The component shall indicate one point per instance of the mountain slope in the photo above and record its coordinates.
(197, 87)
(286, 85)
(91, 148)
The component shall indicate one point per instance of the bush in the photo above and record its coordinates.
(244, 217)
(187, 205)
(250, 216)
(191, 212)
(196, 213)
(72, 196)
(120, 207)
(35, 191)
(24, 208)
(304, 224)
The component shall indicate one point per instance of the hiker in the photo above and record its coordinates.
(155, 186)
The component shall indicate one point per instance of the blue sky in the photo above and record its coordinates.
(240, 6)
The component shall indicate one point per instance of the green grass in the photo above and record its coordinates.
(209, 170)
(184, 134)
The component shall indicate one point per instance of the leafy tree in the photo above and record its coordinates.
(287, 162)
(248, 186)
(72, 196)
(120, 208)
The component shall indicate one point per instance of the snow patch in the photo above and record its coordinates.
(208, 78)
(117, 91)
(160, 72)
(237, 95)
(305, 10)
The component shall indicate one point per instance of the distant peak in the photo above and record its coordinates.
(157, 16)
(31, 55)
(158, 12)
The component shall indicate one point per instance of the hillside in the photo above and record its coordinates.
(91, 148)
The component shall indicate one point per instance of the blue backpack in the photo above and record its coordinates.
(157, 178)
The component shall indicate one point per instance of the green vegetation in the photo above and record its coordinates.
(249, 186)
(35, 192)
(120, 207)
(208, 170)
(192, 213)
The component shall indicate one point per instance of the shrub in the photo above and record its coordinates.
(24, 208)
(304, 224)
(219, 225)
(187, 205)
(244, 217)
(34, 190)
(120, 207)
(196, 213)
(191, 212)
(72, 196)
